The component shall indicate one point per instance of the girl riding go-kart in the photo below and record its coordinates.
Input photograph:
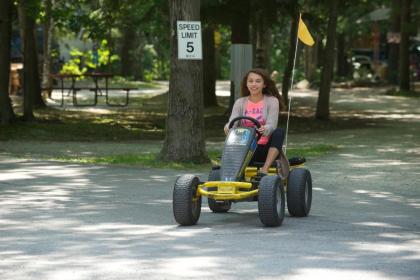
(261, 100)
(252, 138)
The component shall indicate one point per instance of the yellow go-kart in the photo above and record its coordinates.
(235, 181)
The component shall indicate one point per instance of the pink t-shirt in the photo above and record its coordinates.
(255, 110)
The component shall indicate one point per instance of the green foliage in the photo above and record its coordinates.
(311, 151)
(96, 20)
(316, 79)
(222, 42)
(81, 62)
(299, 75)
(154, 67)
(151, 160)
(280, 47)
(73, 66)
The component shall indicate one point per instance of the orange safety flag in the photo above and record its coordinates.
(303, 33)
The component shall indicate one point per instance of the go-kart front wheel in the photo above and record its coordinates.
(217, 206)
(271, 201)
(299, 192)
(186, 204)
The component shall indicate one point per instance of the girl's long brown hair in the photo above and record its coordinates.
(270, 86)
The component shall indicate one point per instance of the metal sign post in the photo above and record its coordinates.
(240, 63)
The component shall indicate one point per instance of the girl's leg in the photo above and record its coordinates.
(276, 144)
(272, 155)
(260, 154)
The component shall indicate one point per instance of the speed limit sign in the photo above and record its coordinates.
(189, 40)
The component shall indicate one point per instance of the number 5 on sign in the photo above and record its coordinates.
(189, 40)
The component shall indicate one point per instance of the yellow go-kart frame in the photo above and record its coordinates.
(228, 190)
(294, 182)
(288, 177)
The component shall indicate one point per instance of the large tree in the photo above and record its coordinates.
(263, 17)
(6, 111)
(288, 71)
(143, 22)
(240, 34)
(184, 136)
(395, 18)
(209, 65)
(48, 39)
(323, 104)
(404, 61)
(28, 10)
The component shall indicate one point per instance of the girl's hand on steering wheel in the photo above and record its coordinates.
(226, 129)
(261, 129)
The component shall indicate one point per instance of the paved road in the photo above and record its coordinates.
(69, 221)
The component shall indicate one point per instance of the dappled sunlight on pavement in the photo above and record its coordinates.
(116, 223)
(405, 248)
(349, 274)
(73, 221)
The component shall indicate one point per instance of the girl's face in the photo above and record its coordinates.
(255, 83)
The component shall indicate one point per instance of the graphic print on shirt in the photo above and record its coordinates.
(255, 110)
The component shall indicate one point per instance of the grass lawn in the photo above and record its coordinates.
(403, 93)
(152, 159)
(144, 119)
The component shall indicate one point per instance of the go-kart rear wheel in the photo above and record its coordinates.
(217, 206)
(271, 201)
(186, 204)
(299, 192)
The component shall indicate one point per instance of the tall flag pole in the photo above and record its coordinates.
(304, 35)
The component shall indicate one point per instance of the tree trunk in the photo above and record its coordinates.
(342, 63)
(6, 111)
(48, 39)
(184, 138)
(239, 34)
(127, 50)
(323, 104)
(217, 55)
(209, 67)
(262, 41)
(240, 22)
(320, 52)
(392, 73)
(404, 67)
(291, 55)
(31, 80)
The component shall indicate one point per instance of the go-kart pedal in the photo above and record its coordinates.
(259, 176)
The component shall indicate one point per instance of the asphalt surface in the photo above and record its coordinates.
(70, 221)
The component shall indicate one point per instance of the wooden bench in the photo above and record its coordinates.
(107, 90)
(74, 90)
(70, 90)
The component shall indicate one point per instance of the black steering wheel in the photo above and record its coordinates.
(257, 123)
(254, 121)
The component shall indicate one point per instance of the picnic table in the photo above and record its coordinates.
(72, 89)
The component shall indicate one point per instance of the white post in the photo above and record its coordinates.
(291, 90)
